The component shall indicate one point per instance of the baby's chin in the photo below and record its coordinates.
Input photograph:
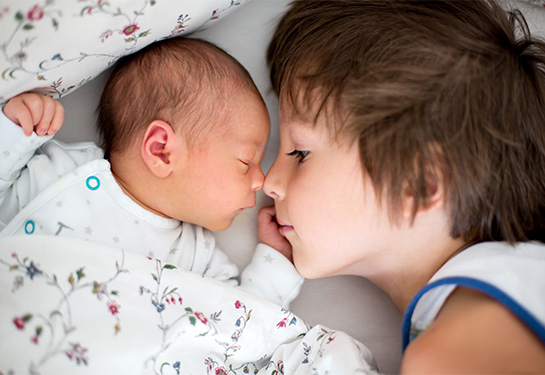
(220, 225)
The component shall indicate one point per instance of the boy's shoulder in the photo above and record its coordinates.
(474, 331)
(482, 300)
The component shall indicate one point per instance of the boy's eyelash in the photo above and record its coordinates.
(299, 155)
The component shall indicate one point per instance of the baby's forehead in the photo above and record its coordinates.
(245, 115)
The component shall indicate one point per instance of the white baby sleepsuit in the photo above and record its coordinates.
(51, 188)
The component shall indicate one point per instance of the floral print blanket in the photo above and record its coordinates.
(56, 46)
(78, 307)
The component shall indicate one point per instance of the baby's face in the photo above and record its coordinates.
(325, 205)
(223, 173)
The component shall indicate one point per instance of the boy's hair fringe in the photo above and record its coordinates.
(185, 82)
(450, 91)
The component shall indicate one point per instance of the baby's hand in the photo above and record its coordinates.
(268, 233)
(35, 112)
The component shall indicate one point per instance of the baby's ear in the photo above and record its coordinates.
(157, 146)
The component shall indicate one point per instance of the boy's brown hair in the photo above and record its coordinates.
(449, 90)
(182, 81)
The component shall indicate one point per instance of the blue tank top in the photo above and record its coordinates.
(512, 275)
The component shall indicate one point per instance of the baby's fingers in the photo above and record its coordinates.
(17, 110)
(36, 104)
(266, 216)
(42, 114)
(52, 119)
(35, 112)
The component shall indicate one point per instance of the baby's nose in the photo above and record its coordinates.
(258, 180)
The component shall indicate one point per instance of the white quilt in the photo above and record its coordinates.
(78, 307)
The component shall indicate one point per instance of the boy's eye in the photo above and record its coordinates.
(299, 155)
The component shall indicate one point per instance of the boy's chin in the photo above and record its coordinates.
(308, 271)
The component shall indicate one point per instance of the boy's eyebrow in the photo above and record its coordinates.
(293, 117)
(292, 123)
(296, 121)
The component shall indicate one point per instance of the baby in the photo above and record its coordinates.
(412, 153)
(184, 130)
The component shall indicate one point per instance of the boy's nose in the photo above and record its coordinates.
(273, 183)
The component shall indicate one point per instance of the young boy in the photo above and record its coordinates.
(184, 131)
(412, 153)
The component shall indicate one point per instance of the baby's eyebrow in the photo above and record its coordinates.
(252, 143)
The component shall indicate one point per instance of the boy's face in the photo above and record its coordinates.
(325, 205)
(222, 174)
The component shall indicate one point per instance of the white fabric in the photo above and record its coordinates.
(80, 307)
(69, 190)
(517, 271)
(55, 47)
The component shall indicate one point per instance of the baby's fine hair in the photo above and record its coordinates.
(432, 91)
(183, 81)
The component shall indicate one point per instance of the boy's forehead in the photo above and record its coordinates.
(289, 117)
(292, 120)
(291, 113)
(303, 116)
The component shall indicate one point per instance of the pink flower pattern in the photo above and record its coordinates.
(19, 323)
(114, 307)
(201, 317)
(130, 29)
(36, 13)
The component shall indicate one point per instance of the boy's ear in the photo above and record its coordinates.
(158, 145)
(435, 188)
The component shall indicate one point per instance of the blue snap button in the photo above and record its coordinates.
(29, 227)
(93, 183)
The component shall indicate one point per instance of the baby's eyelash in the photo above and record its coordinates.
(299, 155)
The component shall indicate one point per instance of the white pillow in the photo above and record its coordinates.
(55, 47)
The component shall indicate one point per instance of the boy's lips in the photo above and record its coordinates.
(283, 227)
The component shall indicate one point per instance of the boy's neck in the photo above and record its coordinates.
(425, 254)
